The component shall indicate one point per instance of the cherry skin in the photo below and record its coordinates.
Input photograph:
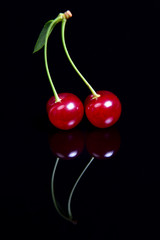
(103, 111)
(67, 113)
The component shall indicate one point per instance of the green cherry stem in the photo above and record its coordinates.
(52, 25)
(70, 60)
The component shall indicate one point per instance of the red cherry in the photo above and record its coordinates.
(67, 113)
(103, 111)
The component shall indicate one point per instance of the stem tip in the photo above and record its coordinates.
(68, 14)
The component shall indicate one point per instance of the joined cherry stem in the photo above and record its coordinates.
(62, 17)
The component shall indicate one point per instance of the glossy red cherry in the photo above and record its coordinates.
(103, 111)
(67, 113)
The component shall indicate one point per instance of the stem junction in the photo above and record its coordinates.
(62, 17)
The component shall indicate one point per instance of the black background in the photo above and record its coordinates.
(116, 47)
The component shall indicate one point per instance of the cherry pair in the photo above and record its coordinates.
(65, 110)
(102, 112)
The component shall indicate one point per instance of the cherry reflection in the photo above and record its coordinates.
(103, 143)
(67, 145)
(100, 143)
(68, 216)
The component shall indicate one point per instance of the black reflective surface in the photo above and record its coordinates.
(62, 184)
(86, 183)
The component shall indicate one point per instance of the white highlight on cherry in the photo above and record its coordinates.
(70, 106)
(108, 103)
(108, 120)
